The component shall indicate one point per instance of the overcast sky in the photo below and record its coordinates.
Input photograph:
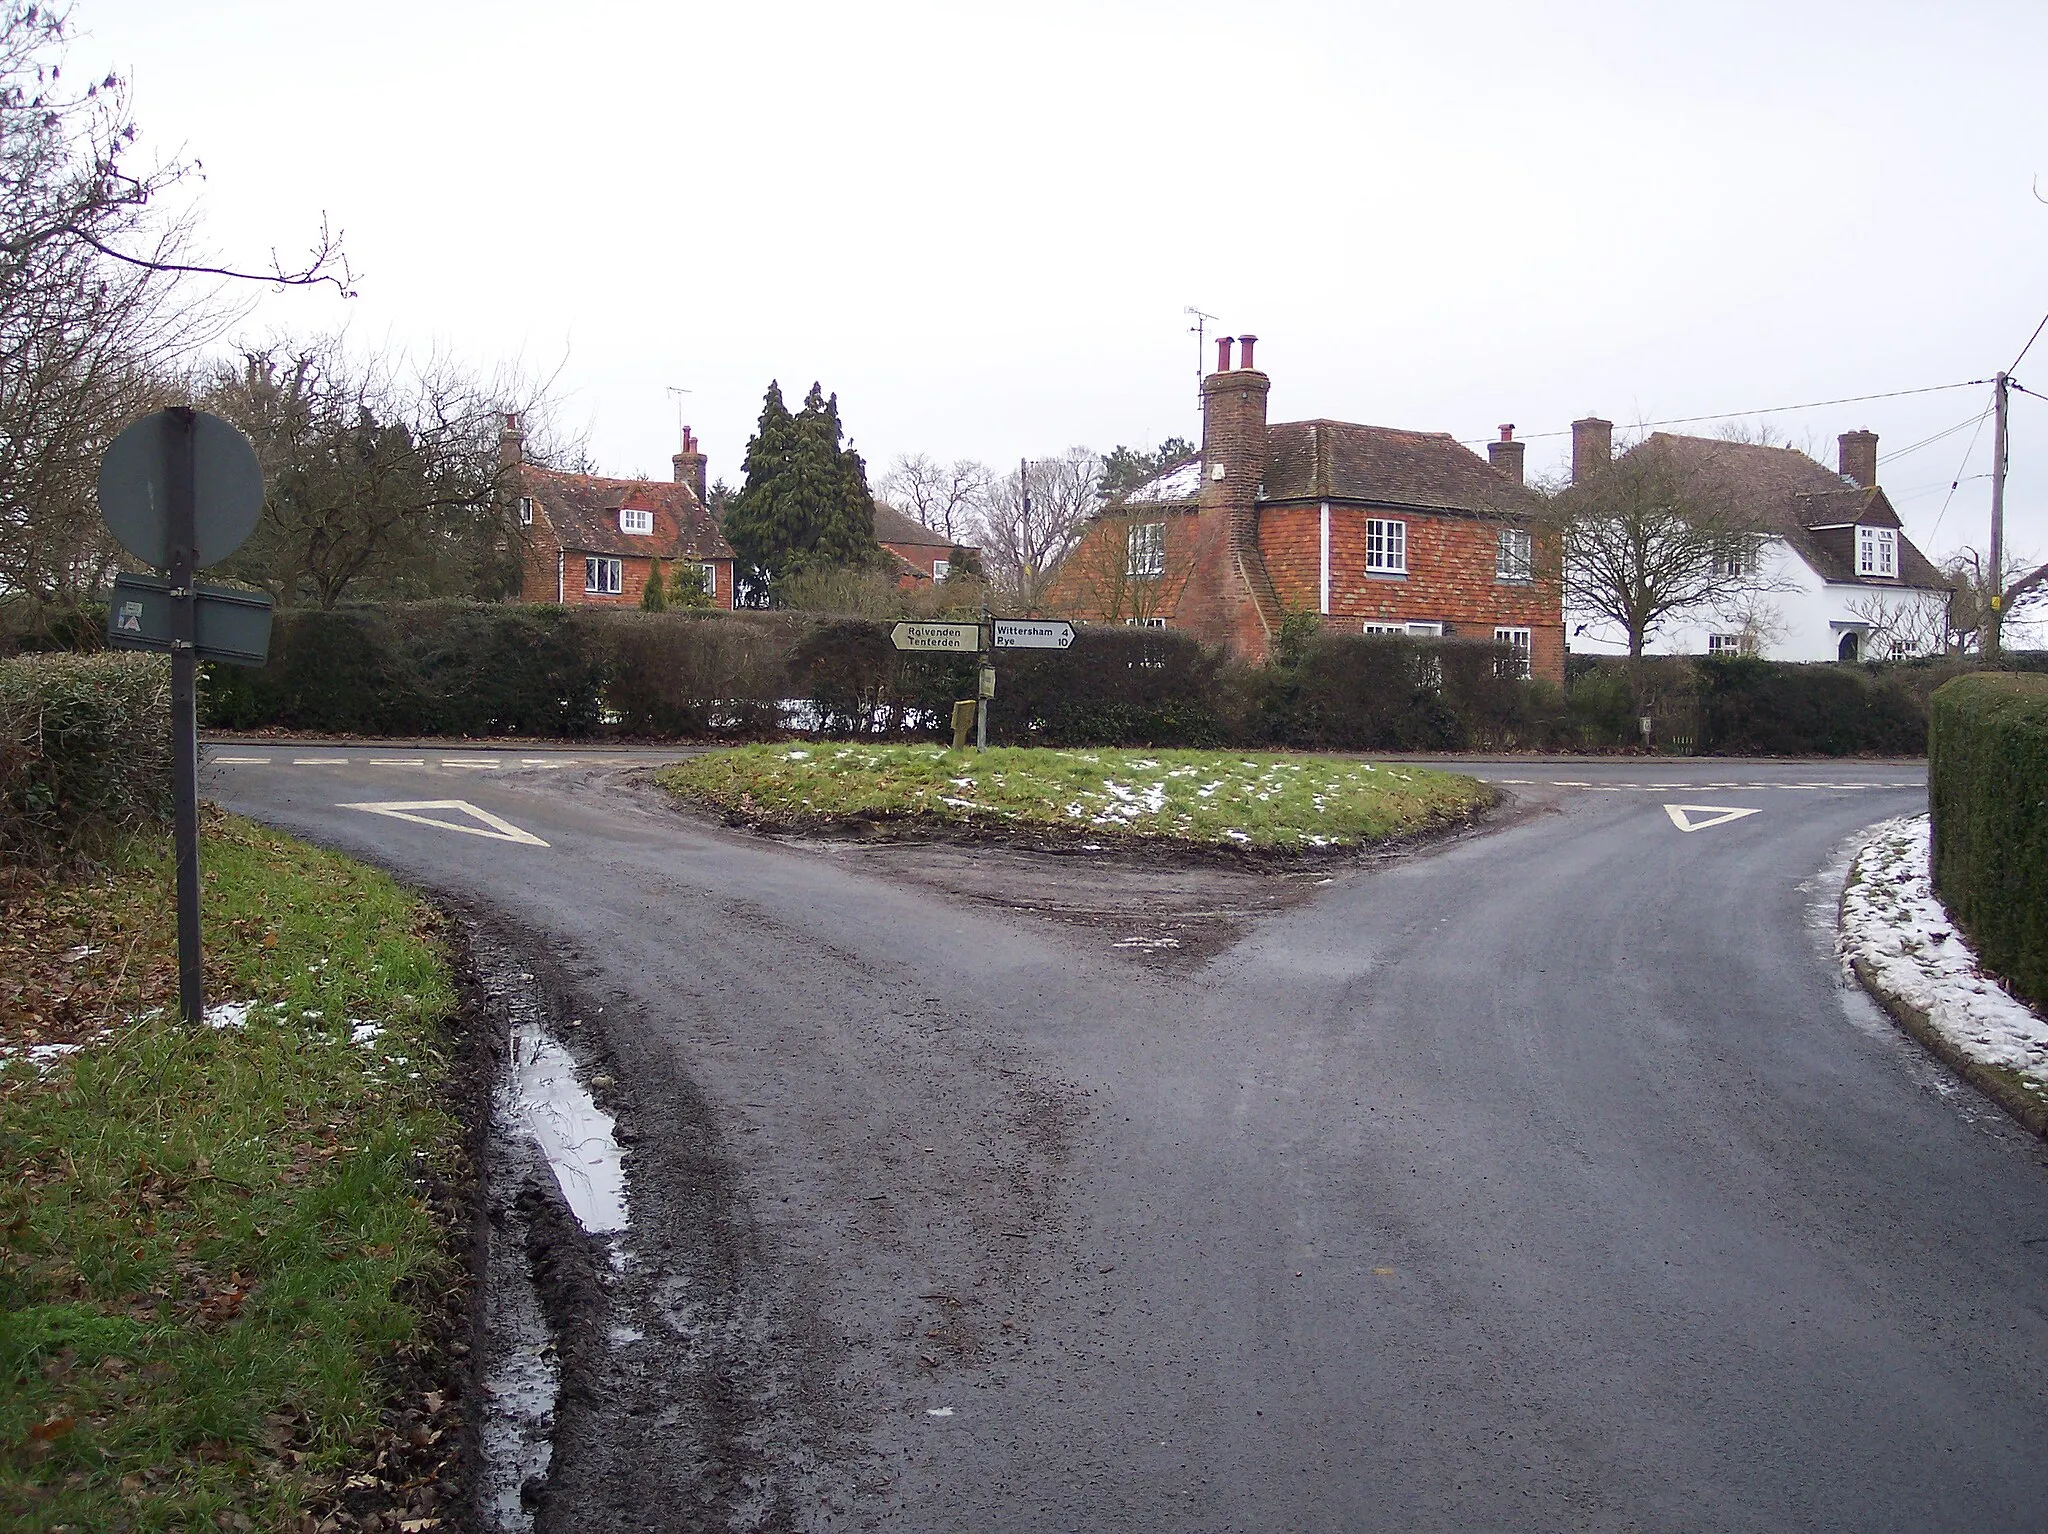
(981, 225)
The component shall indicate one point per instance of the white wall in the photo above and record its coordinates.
(1800, 617)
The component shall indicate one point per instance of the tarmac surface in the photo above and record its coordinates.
(1544, 1178)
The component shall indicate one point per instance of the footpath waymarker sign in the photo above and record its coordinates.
(180, 490)
(1033, 634)
(959, 638)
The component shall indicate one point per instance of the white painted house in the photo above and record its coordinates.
(1838, 578)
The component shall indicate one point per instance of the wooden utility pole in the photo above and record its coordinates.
(1999, 396)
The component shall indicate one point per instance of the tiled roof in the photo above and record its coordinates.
(583, 510)
(1808, 505)
(892, 526)
(1380, 466)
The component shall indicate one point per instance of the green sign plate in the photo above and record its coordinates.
(233, 626)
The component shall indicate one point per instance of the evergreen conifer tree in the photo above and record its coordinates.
(654, 599)
(806, 502)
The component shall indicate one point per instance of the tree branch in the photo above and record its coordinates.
(325, 254)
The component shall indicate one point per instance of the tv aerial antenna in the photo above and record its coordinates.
(676, 393)
(1200, 331)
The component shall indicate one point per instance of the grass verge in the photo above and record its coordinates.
(1204, 798)
(220, 1247)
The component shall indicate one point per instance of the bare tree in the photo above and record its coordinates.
(1130, 565)
(1974, 618)
(1896, 629)
(1027, 522)
(381, 478)
(941, 496)
(98, 308)
(1651, 535)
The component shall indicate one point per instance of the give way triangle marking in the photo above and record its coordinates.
(1683, 815)
(497, 829)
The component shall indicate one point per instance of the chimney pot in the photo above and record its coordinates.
(1223, 353)
(1859, 457)
(1244, 350)
(1507, 431)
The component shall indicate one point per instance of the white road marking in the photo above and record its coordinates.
(320, 761)
(938, 1411)
(398, 761)
(1711, 815)
(468, 761)
(539, 761)
(241, 761)
(494, 827)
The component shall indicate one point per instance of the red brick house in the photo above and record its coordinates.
(1374, 529)
(926, 555)
(592, 541)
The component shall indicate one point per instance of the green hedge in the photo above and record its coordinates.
(1987, 790)
(85, 752)
(456, 669)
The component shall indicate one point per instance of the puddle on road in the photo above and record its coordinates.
(542, 1115)
(575, 1135)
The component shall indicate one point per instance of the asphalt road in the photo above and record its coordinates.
(1547, 1180)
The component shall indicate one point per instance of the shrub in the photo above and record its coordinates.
(1987, 791)
(85, 752)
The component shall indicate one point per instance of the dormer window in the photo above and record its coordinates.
(1877, 552)
(631, 521)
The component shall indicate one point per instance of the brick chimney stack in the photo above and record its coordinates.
(1507, 454)
(689, 465)
(1592, 446)
(1859, 457)
(511, 443)
(1229, 589)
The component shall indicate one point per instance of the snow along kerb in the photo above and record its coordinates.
(1898, 940)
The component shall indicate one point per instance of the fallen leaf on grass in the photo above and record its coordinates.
(54, 1428)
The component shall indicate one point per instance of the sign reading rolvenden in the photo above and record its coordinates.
(958, 638)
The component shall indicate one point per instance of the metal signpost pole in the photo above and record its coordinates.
(181, 483)
(984, 662)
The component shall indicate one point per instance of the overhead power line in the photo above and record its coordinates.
(1725, 415)
(2022, 357)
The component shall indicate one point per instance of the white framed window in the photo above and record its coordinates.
(705, 576)
(1145, 551)
(941, 568)
(1877, 551)
(603, 577)
(1386, 547)
(1514, 558)
(526, 511)
(1516, 661)
(1416, 630)
(1145, 623)
(1731, 644)
(632, 520)
(1737, 557)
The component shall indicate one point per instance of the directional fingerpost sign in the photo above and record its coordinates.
(1704, 817)
(960, 638)
(1033, 634)
(181, 490)
(441, 813)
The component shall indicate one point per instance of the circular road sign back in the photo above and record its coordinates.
(135, 489)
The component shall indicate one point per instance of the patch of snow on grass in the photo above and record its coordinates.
(1894, 923)
(229, 1014)
(364, 1033)
(1237, 836)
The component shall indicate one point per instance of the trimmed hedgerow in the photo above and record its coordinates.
(85, 752)
(1987, 791)
(456, 669)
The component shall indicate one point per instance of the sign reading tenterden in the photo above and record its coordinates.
(965, 638)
